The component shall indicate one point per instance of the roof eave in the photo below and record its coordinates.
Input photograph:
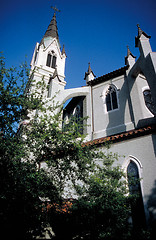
(108, 76)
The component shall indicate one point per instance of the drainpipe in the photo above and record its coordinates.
(92, 114)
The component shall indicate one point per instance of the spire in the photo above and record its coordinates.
(52, 30)
(130, 57)
(89, 68)
(140, 32)
(89, 75)
(63, 50)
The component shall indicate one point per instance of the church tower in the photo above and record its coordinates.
(48, 60)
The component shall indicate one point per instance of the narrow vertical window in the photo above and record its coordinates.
(114, 100)
(77, 114)
(54, 62)
(137, 207)
(108, 102)
(133, 178)
(111, 99)
(49, 60)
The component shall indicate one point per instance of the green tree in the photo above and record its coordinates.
(102, 209)
(21, 184)
(27, 140)
(39, 159)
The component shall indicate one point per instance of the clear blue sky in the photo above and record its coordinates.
(95, 31)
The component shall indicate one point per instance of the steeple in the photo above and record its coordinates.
(52, 30)
(48, 56)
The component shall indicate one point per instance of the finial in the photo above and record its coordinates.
(55, 9)
(128, 51)
(89, 68)
(128, 54)
(63, 50)
(139, 30)
(88, 75)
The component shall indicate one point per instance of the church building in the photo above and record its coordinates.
(120, 106)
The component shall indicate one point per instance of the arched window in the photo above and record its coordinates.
(149, 101)
(133, 178)
(51, 60)
(77, 113)
(111, 98)
(137, 207)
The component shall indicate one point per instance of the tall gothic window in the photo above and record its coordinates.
(111, 98)
(51, 60)
(77, 113)
(133, 178)
(137, 208)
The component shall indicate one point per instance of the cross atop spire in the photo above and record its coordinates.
(55, 9)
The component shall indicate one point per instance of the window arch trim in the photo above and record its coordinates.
(135, 160)
(144, 211)
(109, 105)
(129, 159)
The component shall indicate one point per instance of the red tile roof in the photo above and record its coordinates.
(123, 136)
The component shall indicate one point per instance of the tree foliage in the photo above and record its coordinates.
(31, 136)
(102, 208)
(40, 160)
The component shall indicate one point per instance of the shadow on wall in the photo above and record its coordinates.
(154, 143)
(152, 210)
(117, 118)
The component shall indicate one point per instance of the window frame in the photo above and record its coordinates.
(51, 60)
(110, 100)
(135, 189)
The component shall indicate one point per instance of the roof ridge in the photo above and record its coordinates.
(109, 75)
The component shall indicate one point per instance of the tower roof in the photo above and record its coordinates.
(52, 30)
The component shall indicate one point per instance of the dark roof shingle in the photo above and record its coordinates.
(116, 73)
